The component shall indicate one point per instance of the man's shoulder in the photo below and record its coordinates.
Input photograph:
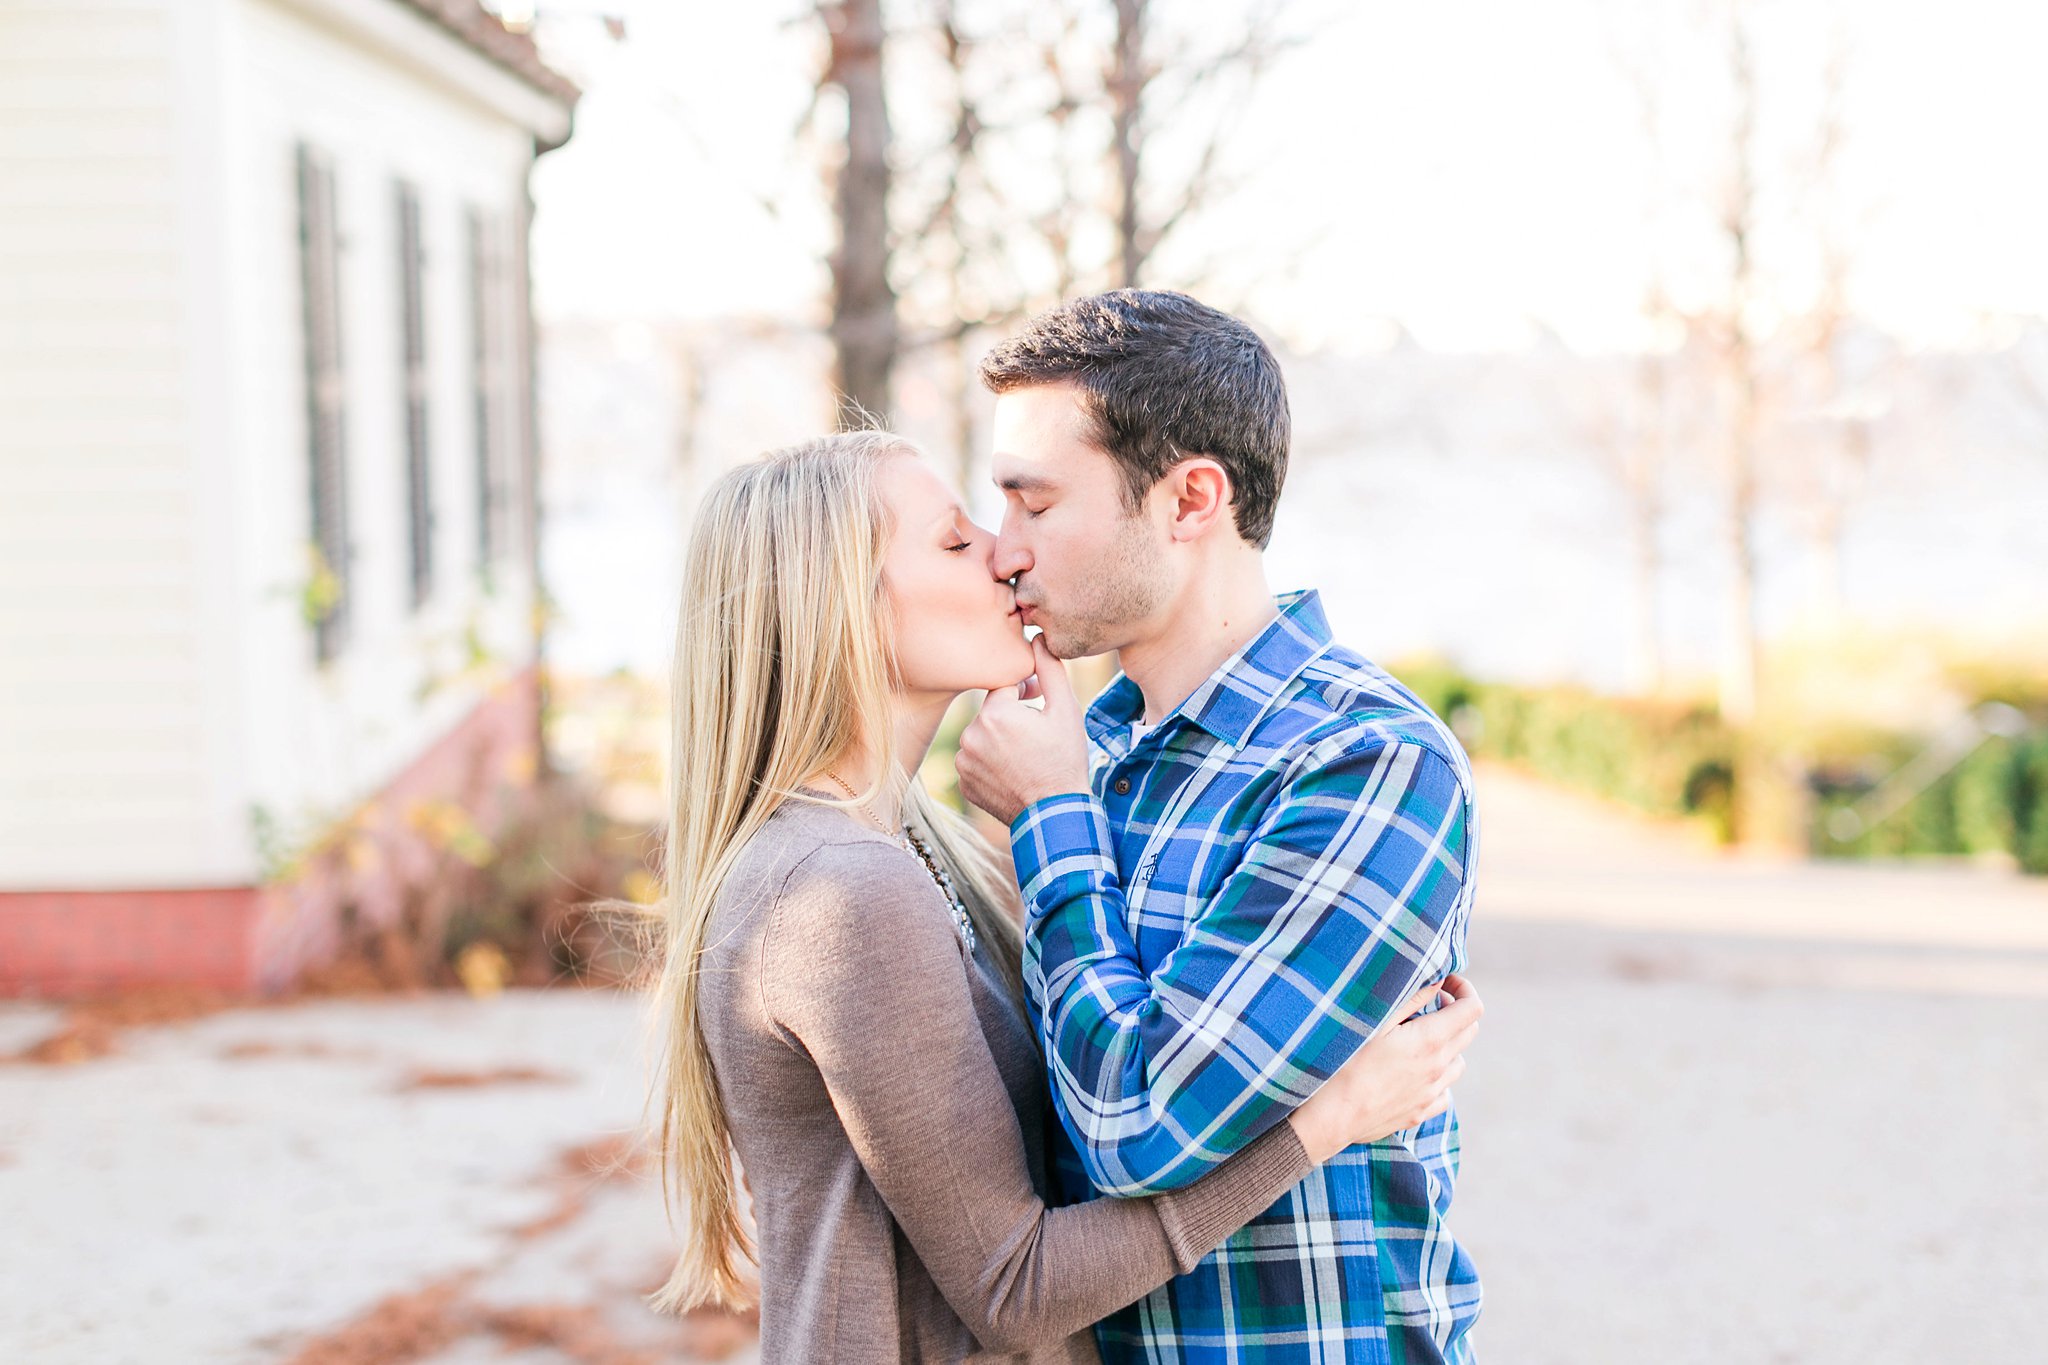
(1343, 702)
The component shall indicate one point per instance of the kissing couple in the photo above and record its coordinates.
(1170, 1083)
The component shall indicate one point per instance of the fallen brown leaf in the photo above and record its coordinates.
(401, 1328)
(465, 1080)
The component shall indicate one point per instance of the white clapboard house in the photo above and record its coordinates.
(266, 467)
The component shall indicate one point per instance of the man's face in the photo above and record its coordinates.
(1088, 573)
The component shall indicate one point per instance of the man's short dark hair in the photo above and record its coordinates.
(1163, 378)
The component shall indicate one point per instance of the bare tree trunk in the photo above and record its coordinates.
(864, 331)
(1740, 671)
(961, 385)
(1127, 80)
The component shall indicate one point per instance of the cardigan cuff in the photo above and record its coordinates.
(1199, 1216)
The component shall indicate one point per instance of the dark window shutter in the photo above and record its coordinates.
(485, 380)
(320, 290)
(418, 464)
(524, 479)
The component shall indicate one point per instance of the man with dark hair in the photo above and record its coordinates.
(1253, 846)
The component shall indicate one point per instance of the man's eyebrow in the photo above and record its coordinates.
(1025, 483)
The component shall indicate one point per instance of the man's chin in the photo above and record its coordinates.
(1067, 648)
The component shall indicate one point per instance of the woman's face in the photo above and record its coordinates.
(956, 623)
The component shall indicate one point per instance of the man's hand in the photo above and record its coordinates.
(1013, 754)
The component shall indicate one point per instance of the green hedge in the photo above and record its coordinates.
(1665, 758)
(1672, 759)
(1994, 801)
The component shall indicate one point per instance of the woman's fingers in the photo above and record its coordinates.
(1419, 1001)
(1455, 1021)
(1464, 1023)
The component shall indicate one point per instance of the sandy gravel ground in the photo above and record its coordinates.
(1817, 1135)
(1722, 1110)
(435, 1179)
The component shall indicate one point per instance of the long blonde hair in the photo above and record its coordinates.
(782, 667)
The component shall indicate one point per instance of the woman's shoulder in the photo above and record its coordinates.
(821, 870)
(848, 914)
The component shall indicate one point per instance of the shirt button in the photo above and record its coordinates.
(1123, 786)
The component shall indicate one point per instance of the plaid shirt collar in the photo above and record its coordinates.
(1231, 700)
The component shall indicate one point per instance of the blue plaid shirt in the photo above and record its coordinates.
(1254, 886)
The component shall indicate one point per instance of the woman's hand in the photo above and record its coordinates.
(1397, 1080)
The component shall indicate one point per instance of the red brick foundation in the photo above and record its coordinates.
(259, 938)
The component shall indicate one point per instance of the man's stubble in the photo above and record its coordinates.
(1126, 586)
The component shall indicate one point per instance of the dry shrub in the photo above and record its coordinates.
(527, 897)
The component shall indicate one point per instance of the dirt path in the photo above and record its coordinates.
(1737, 1110)
(433, 1179)
(1723, 1110)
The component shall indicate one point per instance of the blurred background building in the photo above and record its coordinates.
(267, 537)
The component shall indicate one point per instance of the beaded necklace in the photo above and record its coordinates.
(908, 840)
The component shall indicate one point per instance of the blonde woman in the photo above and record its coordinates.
(840, 992)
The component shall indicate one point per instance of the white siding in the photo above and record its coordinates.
(319, 739)
(158, 680)
(107, 772)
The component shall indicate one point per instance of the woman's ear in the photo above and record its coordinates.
(1201, 494)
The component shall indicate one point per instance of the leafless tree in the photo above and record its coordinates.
(864, 326)
(1026, 173)
(1118, 120)
(1732, 328)
(1151, 86)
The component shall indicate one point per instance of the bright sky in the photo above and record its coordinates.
(1462, 167)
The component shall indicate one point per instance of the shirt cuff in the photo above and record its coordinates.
(1063, 849)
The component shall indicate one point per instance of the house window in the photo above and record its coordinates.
(327, 596)
(418, 478)
(487, 384)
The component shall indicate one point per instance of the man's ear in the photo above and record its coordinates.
(1201, 494)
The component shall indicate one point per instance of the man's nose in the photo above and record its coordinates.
(1011, 557)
